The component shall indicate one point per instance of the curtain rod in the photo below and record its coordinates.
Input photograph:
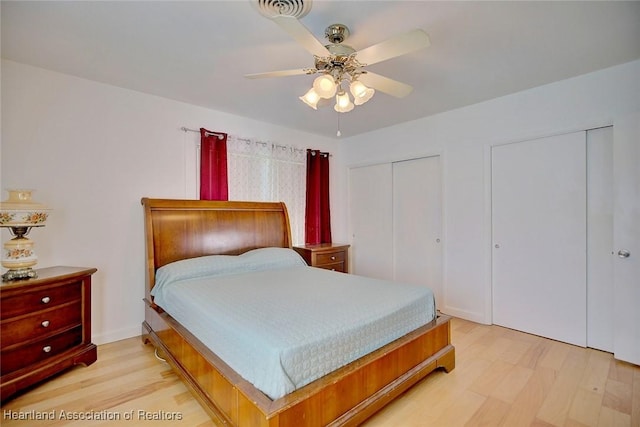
(186, 129)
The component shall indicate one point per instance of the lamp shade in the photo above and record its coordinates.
(325, 86)
(311, 98)
(360, 92)
(19, 210)
(343, 103)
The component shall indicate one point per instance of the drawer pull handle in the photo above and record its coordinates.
(333, 258)
(45, 324)
(46, 348)
(46, 300)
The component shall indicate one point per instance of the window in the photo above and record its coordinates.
(262, 171)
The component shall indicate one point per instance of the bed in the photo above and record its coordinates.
(180, 233)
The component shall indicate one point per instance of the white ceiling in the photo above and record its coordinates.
(198, 52)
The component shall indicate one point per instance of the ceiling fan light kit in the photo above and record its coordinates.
(339, 63)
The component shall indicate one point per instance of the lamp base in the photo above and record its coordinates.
(19, 257)
(19, 274)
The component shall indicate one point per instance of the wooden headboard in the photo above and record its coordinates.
(181, 229)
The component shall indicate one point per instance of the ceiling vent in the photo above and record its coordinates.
(271, 8)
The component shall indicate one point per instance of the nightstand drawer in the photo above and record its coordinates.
(41, 323)
(24, 356)
(329, 258)
(338, 266)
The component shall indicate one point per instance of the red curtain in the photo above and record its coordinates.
(317, 213)
(213, 165)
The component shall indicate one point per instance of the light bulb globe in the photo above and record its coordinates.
(325, 86)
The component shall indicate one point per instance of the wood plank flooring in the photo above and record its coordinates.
(502, 378)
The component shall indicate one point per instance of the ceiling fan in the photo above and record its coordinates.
(341, 64)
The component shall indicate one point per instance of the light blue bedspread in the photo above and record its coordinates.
(282, 327)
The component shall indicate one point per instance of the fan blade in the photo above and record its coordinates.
(385, 84)
(282, 73)
(301, 34)
(395, 46)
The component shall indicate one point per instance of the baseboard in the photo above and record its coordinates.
(112, 336)
(466, 315)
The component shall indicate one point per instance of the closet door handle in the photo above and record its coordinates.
(622, 253)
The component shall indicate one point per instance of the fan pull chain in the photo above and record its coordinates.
(338, 133)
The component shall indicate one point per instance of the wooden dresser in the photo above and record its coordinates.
(45, 326)
(331, 256)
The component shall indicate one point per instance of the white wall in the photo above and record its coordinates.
(464, 137)
(92, 151)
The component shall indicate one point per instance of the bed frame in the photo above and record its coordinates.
(180, 229)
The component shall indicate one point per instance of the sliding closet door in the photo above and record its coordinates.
(371, 203)
(626, 237)
(539, 238)
(417, 223)
(600, 313)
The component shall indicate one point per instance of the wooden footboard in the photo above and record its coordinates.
(345, 397)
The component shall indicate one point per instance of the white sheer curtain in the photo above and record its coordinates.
(264, 171)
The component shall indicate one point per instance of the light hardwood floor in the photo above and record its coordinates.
(502, 378)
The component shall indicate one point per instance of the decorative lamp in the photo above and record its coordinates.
(20, 214)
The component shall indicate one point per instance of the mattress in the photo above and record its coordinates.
(283, 325)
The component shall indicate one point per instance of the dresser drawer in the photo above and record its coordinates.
(23, 356)
(329, 258)
(41, 323)
(39, 299)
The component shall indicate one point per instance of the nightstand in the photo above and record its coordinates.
(330, 256)
(45, 326)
